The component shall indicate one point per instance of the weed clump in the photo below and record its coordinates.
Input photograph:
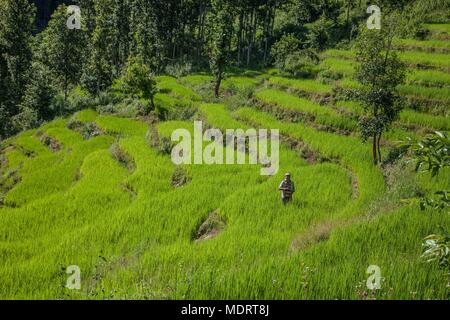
(180, 177)
(8, 181)
(50, 142)
(3, 160)
(122, 157)
(316, 234)
(179, 69)
(88, 130)
(211, 227)
(181, 113)
(152, 137)
(165, 145)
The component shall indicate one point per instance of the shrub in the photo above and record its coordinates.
(285, 46)
(326, 33)
(87, 130)
(122, 157)
(242, 98)
(165, 145)
(212, 226)
(181, 113)
(180, 177)
(50, 142)
(421, 33)
(436, 249)
(138, 80)
(27, 119)
(328, 77)
(152, 137)
(78, 99)
(179, 69)
(128, 107)
(39, 93)
(300, 62)
(290, 56)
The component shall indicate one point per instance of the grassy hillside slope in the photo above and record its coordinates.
(113, 203)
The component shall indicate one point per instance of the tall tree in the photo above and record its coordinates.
(144, 33)
(87, 14)
(121, 36)
(61, 50)
(219, 37)
(36, 105)
(102, 65)
(379, 72)
(138, 79)
(16, 26)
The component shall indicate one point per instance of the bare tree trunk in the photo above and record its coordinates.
(152, 104)
(266, 31)
(174, 49)
(244, 35)
(239, 48)
(378, 147)
(255, 19)
(249, 39)
(348, 10)
(272, 28)
(201, 35)
(66, 86)
(217, 86)
(251, 36)
(374, 150)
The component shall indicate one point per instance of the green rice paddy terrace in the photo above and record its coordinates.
(108, 202)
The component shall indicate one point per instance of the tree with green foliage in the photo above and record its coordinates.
(379, 72)
(16, 26)
(324, 33)
(291, 56)
(287, 44)
(61, 50)
(100, 71)
(219, 38)
(432, 155)
(39, 93)
(87, 14)
(138, 80)
(121, 37)
(145, 41)
(416, 12)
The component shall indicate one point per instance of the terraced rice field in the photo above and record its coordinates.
(108, 204)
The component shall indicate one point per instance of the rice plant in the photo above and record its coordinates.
(322, 114)
(304, 85)
(444, 28)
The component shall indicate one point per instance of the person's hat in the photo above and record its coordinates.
(287, 174)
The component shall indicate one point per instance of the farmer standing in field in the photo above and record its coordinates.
(287, 188)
